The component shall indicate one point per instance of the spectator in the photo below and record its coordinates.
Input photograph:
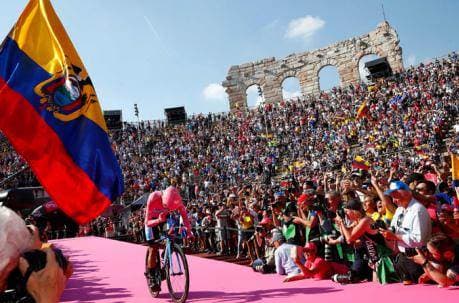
(45, 285)
(370, 254)
(223, 216)
(314, 267)
(411, 227)
(247, 221)
(283, 260)
(440, 261)
(265, 251)
(257, 243)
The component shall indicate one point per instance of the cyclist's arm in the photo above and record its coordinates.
(154, 222)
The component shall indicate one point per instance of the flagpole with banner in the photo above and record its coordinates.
(52, 116)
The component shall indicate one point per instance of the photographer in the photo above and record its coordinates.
(370, 251)
(45, 284)
(292, 229)
(208, 225)
(277, 207)
(439, 260)
(261, 254)
(257, 244)
(307, 216)
(314, 267)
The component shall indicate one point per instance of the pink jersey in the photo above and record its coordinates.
(155, 208)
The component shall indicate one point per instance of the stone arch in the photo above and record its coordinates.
(253, 88)
(326, 62)
(367, 52)
(278, 79)
(291, 73)
(269, 73)
(322, 87)
(290, 90)
(319, 66)
(361, 64)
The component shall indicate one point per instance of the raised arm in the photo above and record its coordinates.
(386, 201)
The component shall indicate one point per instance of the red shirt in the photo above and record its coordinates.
(322, 269)
(155, 208)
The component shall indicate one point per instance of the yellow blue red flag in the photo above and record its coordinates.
(52, 117)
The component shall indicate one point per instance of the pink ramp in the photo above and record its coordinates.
(112, 271)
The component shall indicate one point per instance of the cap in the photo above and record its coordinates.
(305, 198)
(301, 199)
(353, 205)
(232, 196)
(310, 246)
(396, 185)
(276, 235)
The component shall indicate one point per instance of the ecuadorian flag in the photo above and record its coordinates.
(50, 113)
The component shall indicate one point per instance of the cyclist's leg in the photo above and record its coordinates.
(152, 256)
(152, 234)
(153, 267)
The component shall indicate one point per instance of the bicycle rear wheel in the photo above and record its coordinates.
(177, 275)
(153, 293)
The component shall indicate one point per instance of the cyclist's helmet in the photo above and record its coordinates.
(171, 198)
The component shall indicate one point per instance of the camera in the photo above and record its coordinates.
(16, 290)
(411, 252)
(378, 224)
(328, 250)
(341, 213)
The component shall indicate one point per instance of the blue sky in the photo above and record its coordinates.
(176, 53)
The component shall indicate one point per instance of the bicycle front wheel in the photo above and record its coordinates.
(177, 275)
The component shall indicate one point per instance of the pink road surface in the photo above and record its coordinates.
(112, 271)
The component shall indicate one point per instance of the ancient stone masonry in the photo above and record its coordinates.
(345, 55)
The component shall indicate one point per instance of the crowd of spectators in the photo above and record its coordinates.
(353, 185)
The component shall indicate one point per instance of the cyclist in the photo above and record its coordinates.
(159, 205)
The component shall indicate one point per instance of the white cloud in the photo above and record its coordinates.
(214, 91)
(304, 27)
(411, 60)
(290, 95)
